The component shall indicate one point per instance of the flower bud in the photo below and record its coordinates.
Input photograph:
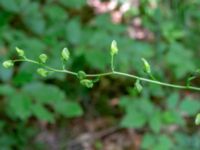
(42, 72)
(87, 83)
(20, 52)
(65, 54)
(114, 48)
(197, 120)
(147, 67)
(138, 86)
(81, 75)
(8, 64)
(43, 58)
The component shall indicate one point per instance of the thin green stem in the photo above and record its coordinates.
(99, 74)
(109, 74)
(156, 82)
(112, 63)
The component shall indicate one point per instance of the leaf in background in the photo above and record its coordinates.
(73, 4)
(68, 108)
(99, 62)
(155, 122)
(10, 5)
(37, 22)
(134, 119)
(19, 105)
(172, 101)
(179, 58)
(55, 13)
(163, 143)
(41, 113)
(148, 141)
(189, 106)
(44, 93)
(73, 31)
(6, 90)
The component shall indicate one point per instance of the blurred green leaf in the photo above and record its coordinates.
(190, 106)
(19, 105)
(41, 113)
(68, 108)
(73, 31)
(44, 93)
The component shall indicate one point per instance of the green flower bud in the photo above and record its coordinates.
(20, 52)
(42, 72)
(113, 48)
(87, 83)
(8, 64)
(81, 75)
(43, 58)
(65, 54)
(138, 86)
(147, 67)
(197, 120)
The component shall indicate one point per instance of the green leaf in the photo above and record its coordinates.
(148, 141)
(68, 108)
(10, 5)
(135, 119)
(172, 101)
(190, 106)
(44, 93)
(155, 122)
(19, 105)
(6, 90)
(41, 113)
(37, 22)
(163, 143)
(73, 4)
(73, 31)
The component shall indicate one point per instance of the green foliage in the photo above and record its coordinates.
(45, 27)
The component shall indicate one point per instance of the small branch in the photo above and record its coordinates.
(109, 74)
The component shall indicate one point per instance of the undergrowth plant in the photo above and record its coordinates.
(88, 80)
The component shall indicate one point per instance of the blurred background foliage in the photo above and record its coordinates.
(37, 113)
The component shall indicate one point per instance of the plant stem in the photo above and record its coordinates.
(109, 74)
(112, 63)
